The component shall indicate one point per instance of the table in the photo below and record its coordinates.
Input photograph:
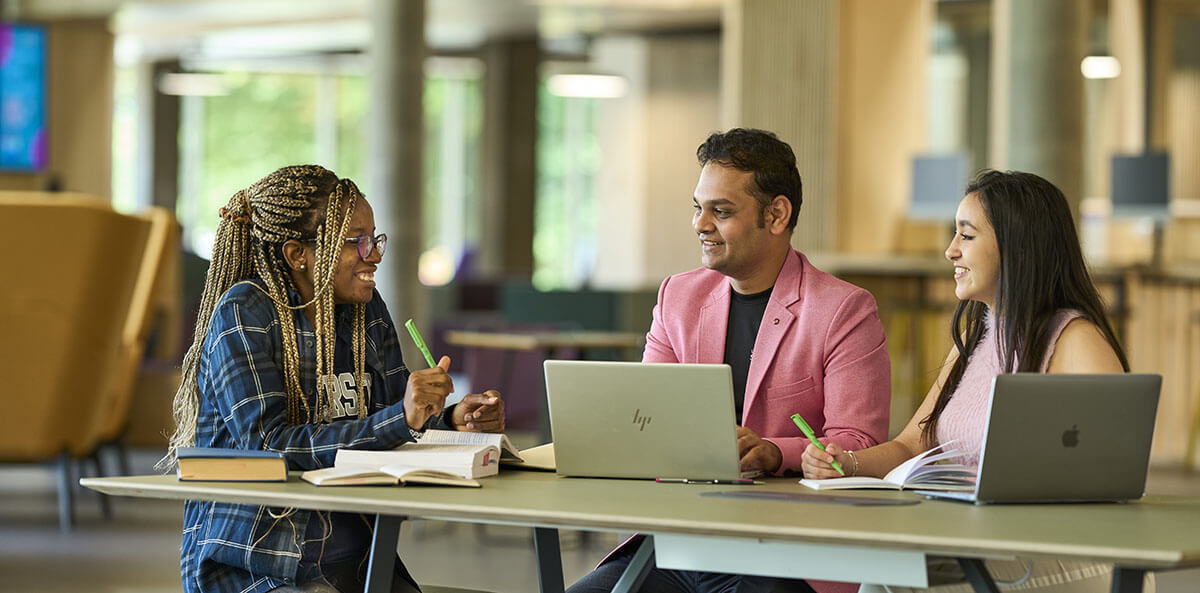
(883, 544)
(552, 342)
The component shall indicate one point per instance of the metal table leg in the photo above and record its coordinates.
(1127, 580)
(978, 576)
(639, 567)
(549, 559)
(382, 564)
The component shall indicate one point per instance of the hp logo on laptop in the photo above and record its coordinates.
(640, 420)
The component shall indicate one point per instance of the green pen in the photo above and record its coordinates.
(416, 336)
(812, 437)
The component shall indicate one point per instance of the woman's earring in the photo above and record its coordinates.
(302, 267)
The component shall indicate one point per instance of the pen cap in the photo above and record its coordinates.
(804, 427)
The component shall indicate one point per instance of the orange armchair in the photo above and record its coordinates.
(69, 269)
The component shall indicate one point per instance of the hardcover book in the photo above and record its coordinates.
(233, 465)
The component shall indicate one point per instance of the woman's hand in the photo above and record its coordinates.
(480, 412)
(817, 464)
(425, 395)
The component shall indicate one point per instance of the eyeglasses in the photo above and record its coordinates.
(367, 244)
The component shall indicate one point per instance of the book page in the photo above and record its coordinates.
(347, 476)
(454, 437)
(418, 475)
(848, 482)
(903, 474)
(471, 461)
(540, 458)
(388, 475)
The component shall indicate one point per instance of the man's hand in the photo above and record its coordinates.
(425, 395)
(756, 453)
(480, 412)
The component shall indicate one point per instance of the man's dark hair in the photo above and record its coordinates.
(766, 156)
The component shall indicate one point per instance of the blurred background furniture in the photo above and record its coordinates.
(76, 317)
(510, 361)
(144, 316)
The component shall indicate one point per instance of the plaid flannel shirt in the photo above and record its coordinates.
(245, 548)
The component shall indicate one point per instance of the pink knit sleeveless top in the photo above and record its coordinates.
(963, 419)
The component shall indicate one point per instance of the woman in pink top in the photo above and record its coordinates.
(1026, 304)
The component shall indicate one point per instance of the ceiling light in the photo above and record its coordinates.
(189, 83)
(596, 86)
(1100, 67)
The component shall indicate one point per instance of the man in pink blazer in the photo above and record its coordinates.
(797, 339)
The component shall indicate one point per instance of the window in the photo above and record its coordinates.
(255, 122)
(568, 158)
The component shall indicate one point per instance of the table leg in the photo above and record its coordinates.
(978, 576)
(382, 564)
(549, 559)
(1127, 580)
(635, 574)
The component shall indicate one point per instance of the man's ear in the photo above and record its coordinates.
(779, 213)
(295, 256)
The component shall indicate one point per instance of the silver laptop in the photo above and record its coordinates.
(1066, 438)
(642, 420)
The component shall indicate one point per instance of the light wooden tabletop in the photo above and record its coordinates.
(549, 340)
(1157, 532)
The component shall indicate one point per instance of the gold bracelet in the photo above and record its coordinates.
(852, 456)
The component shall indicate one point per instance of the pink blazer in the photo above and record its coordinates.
(820, 352)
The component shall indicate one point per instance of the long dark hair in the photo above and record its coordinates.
(1041, 272)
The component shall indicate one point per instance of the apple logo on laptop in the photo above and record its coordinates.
(1070, 438)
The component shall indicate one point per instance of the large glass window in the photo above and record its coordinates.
(263, 122)
(453, 129)
(259, 121)
(568, 157)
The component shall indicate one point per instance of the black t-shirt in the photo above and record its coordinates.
(745, 315)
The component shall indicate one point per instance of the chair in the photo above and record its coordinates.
(70, 264)
(110, 424)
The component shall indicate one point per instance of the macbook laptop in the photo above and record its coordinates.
(642, 420)
(1065, 438)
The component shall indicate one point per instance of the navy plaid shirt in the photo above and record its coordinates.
(244, 548)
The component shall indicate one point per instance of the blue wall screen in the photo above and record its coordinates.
(22, 97)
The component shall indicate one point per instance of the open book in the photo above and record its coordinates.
(386, 475)
(922, 471)
(454, 437)
(444, 457)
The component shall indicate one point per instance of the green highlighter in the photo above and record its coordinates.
(416, 336)
(812, 437)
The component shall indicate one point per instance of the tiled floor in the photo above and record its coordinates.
(137, 551)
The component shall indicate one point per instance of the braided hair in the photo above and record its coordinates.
(306, 203)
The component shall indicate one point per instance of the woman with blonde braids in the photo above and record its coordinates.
(295, 352)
